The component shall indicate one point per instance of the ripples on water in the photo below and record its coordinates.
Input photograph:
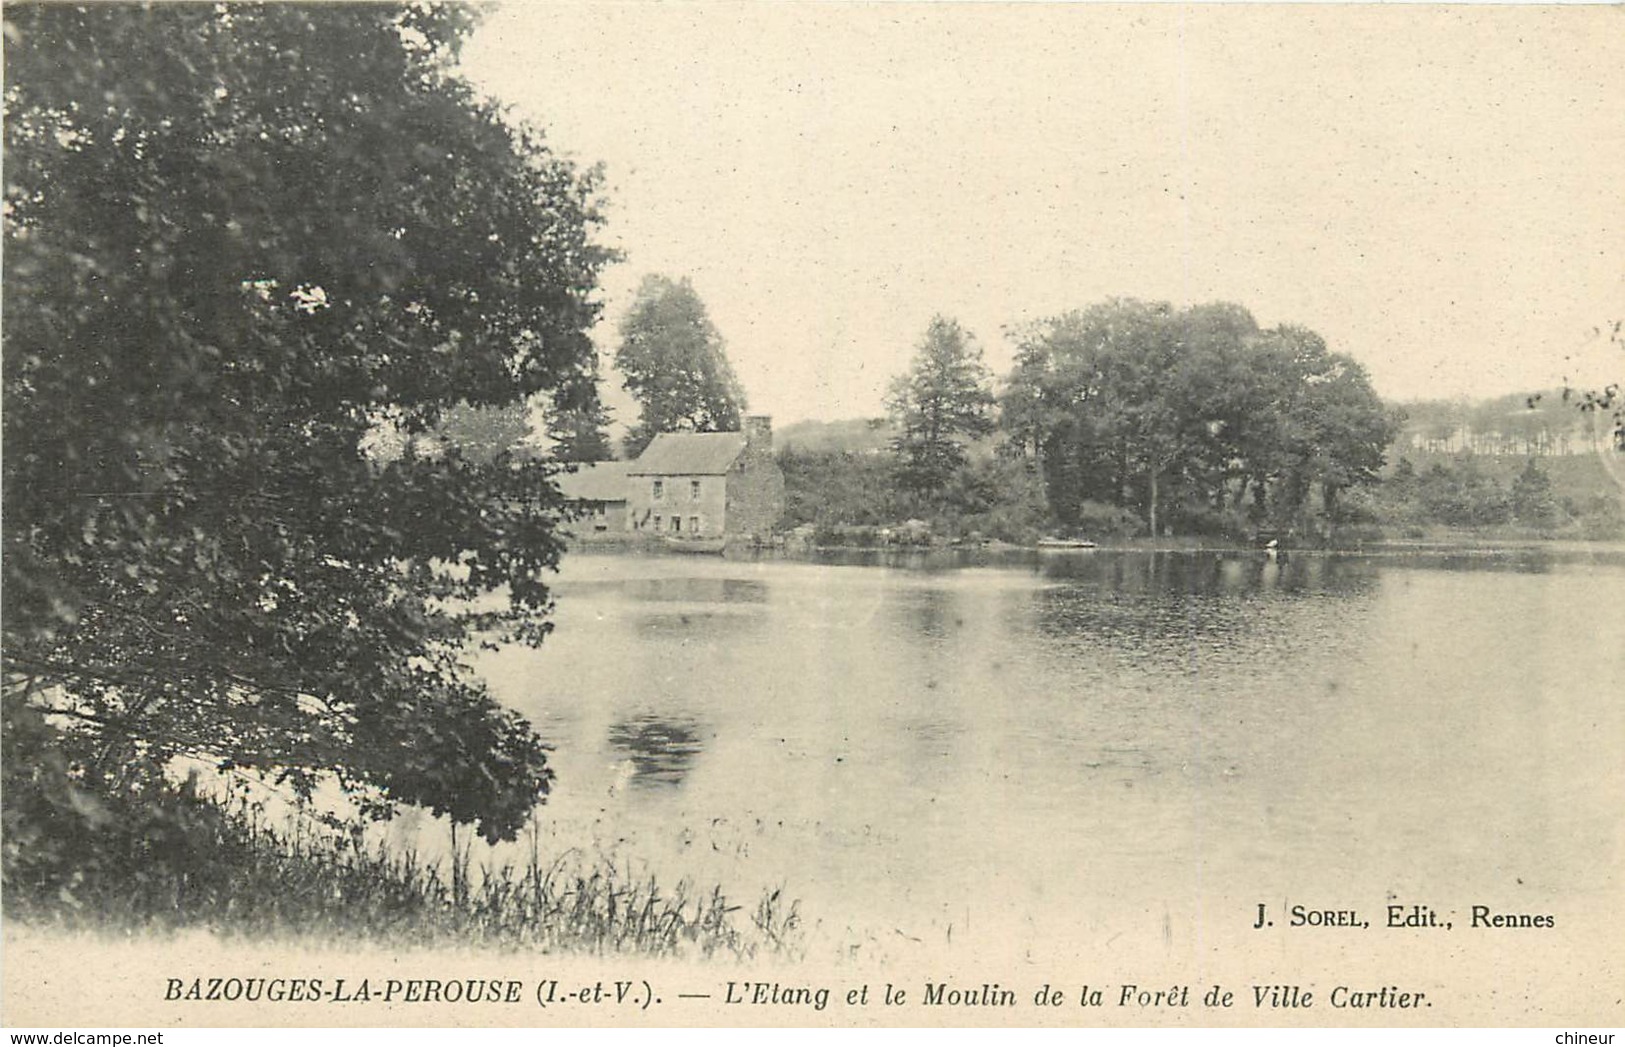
(1057, 746)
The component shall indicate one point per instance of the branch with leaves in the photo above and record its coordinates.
(242, 243)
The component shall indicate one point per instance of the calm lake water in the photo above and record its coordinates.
(1043, 751)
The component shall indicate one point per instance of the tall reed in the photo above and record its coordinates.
(188, 860)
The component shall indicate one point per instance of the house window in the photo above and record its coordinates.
(657, 523)
(694, 490)
(694, 524)
(676, 523)
(660, 489)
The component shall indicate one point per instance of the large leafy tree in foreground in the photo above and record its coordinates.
(240, 243)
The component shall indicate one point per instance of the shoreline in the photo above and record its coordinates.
(1465, 542)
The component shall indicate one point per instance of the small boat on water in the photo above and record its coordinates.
(695, 545)
(1051, 542)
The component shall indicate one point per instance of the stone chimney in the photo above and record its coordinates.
(759, 434)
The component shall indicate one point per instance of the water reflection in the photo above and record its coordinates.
(695, 590)
(939, 721)
(659, 751)
(1304, 563)
(697, 623)
(928, 613)
(1206, 572)
(1517, 561)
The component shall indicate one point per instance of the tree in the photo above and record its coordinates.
(1333, 429)
(1463, 495)
(578, 424)
(673, 361)
(942, 401)
(1533, 504)
(1090, 390)
(1182, 414)
(241, 241)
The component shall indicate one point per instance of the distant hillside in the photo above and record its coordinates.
(858, 435)
(1523, 425)
(1497, 438)
(1579, 477)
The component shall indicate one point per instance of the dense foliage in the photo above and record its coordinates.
(1567, 496)
(673, 360)
(241, 242)
(838, 487)
(1118, 419)
(1180, 414)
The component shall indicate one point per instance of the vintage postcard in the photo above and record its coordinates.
(848, 515)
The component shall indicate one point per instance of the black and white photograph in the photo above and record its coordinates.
(829, 515)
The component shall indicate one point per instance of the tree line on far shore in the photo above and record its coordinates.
(1126, 418)
(1123, 418)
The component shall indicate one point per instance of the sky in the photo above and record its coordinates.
(1436, 190)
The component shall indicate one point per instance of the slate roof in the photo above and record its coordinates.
(599, 482)
(689, 454)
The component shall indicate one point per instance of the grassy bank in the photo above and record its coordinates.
(163, 859)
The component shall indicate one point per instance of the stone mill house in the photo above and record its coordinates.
(701, 488)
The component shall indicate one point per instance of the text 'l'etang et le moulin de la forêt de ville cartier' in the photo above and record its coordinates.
(490, 994)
